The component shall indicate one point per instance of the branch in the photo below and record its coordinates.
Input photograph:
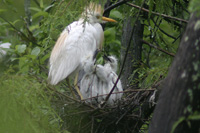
(158, 14)
(162, 50)
(70, 97)
(121, 2)
(126, 91)
(163, 31)
(123, 64)
(19, 32)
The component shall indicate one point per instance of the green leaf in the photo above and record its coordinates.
(21, 48)
(23, 65)
(41, 13)
(109, 34)
(44, 58)
(116, 14)
(194, 6)
(194, 117)
(41, 4)
(2, 10)
(48, 7)
(15, 21)
(181, 119)
(35, 9)
(31, 56)
(35, 51)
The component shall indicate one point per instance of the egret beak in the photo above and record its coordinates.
(108, 19)
(106, 58)
(95, 53)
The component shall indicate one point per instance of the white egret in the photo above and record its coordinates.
(108, 76)
(78, 40)
(98, 81)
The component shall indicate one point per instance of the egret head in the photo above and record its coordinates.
(93, 14)
(113, 62)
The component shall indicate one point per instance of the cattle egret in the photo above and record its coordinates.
(78, 40)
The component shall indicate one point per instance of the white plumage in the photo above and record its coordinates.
(99, 80)
(89, 85)
(108, 76)
(77, 41)
(4, 46)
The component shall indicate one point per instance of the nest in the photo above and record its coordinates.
(131, 114)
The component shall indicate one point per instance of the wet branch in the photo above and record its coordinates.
(162, 50)
(158, 14)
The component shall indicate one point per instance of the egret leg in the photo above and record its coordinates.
(76, 86)
(70, 87)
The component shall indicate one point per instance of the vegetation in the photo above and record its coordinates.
(29, 104)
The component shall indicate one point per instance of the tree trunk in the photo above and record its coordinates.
(180, 92)
(134, 53)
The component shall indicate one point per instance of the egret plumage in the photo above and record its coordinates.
(99, 80)
(108, 76)
(78, 40)
(89, 84)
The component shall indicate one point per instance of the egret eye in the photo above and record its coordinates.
(98, 16)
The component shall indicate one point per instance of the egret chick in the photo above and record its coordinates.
(107, 75)
(89, 85)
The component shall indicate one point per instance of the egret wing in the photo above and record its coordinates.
(76, 42)
(64, 58)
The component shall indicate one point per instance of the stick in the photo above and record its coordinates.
(153, 46)
(129, 43)
(158, 14)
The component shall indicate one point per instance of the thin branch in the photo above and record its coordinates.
(70, 97)
(126, 91)
(176, 39)
(19, 32)
(80, 112)
(162, 50)
(163, 31)
(158, 14)
(121, 2)
(123, 64)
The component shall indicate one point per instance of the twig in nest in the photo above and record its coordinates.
(85, 111)
(70, 97)
(126, 91)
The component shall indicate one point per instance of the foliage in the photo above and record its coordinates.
(32, 45)
(195, 116)
(193, 7)
(25, 106)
